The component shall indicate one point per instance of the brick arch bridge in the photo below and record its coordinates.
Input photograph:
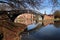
(9, 29)
(14, 13)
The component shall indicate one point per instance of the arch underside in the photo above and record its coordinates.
(14, 13)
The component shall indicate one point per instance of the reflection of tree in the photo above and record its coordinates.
(57, 24)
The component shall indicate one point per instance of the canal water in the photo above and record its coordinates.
(43, 32)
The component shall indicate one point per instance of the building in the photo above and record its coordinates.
(48, 19)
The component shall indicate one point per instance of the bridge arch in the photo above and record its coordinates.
(14, 14)
(27, 17)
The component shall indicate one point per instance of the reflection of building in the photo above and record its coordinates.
(48, 19)
(26, 18)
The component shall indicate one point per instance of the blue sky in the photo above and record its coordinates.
(46, 6)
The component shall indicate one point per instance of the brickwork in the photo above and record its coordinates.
(9, 29)
(48, 19)
(26, 18)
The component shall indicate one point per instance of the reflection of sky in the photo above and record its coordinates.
(32, 26)
(49, 31)
(45, 6)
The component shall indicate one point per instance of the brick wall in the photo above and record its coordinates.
(9, 29)
(48, 19)
(24, 19)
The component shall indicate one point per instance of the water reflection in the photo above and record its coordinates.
(48, 32)
(57, 24)
(33, 26)
(39, 24)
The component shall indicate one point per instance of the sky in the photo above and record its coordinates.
(46, 7)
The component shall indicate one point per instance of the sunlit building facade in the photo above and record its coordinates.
(48, 19)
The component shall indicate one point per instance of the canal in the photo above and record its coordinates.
(43, 32)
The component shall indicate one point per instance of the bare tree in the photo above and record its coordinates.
(57, 14)
(35, 4)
